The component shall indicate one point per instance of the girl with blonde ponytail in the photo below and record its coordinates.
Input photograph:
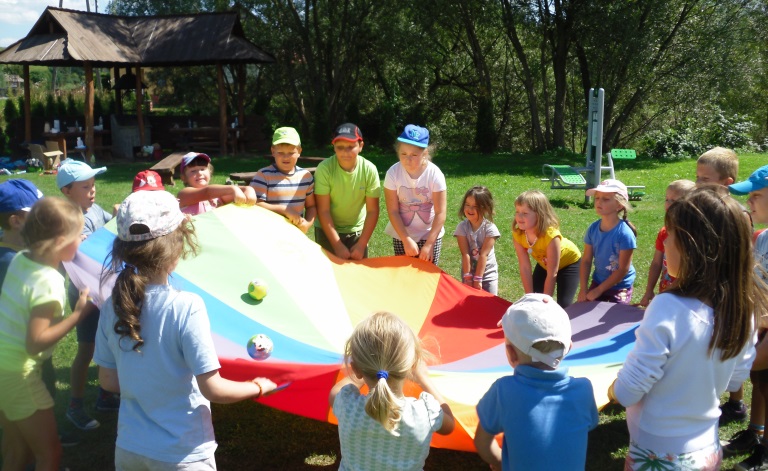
(385, 429)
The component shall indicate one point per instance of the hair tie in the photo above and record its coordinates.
(382, 374)
(128, 266)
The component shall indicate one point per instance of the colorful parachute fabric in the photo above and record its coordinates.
(314, 300)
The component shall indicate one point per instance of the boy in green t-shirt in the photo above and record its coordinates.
(347, 188)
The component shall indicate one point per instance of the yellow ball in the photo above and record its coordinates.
(257, 289)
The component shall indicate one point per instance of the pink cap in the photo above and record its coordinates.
(610, 186)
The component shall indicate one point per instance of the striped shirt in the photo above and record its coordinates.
(276, 187)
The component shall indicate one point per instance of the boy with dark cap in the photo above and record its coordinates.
(347, 189)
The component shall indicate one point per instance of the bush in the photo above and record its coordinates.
(703, 130)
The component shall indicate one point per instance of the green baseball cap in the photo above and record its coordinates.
(286, 136)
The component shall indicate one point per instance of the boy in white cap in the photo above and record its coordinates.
(77, 181)
(545, 414)
(284, 187)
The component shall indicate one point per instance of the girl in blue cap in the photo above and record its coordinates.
(415, 193)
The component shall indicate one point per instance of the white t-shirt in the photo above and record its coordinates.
(365, 444)
(415, 197)
(669, 384)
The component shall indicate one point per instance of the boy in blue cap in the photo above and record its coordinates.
(16, 199)
(77, 181)
(753, 437)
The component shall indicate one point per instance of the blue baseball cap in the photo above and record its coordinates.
(72, 170)
(18, 195)
(757, 181)
(415, 135)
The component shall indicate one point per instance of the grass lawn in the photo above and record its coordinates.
(252, 436)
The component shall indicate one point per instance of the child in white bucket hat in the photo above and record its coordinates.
(609, 242)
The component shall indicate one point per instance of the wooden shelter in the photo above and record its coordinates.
(63, 37)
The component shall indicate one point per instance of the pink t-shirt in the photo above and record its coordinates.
(201, 207)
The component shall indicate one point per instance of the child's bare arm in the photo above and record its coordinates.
(553, 264)
(226, 193)
(625, 260)
(526, 271)
(371, 219)
(482, 261)
(421, 376)
(653, 276)
(393, 211)
(45, 330)
(439, 204)
(487, 447)
(466, 260)
(584, 269)
(326, 224)
(224, 391)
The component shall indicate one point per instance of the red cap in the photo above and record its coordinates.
(147, 180)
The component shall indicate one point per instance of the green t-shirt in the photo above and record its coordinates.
(27, 284)
(348, 191)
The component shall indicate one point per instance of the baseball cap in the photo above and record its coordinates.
(18, 195)
(190, 157)
(158, 211)
(347, 132)
(72, 170)
(533, 318)
(415, 135)
(286, 136)
(610, 186)
(757, 181)
(147, 180)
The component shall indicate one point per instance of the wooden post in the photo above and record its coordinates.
(140, 105)
(118, 93)
(27, 107)
(241, 76)
(88, 109)
(223, 131)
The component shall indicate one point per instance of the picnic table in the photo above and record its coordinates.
(166, 168)
(246, 177)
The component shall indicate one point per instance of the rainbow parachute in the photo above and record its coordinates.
(315, 300)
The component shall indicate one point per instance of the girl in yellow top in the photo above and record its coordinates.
(536, 233)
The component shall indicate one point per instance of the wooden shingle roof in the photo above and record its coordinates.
(63, 37)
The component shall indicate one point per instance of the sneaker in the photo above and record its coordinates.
(741, 443)
(68, 439)
(733, 412)
(108, 402)
(81, 419)
(757, 461)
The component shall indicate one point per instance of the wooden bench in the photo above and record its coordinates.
(166, 168)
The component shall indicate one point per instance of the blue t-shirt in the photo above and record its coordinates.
(6, 255)
(545, 416)
(605, 251)
(163, 414)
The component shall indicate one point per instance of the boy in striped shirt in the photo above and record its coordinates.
(284, 187)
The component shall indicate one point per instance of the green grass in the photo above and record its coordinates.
(252, 436)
